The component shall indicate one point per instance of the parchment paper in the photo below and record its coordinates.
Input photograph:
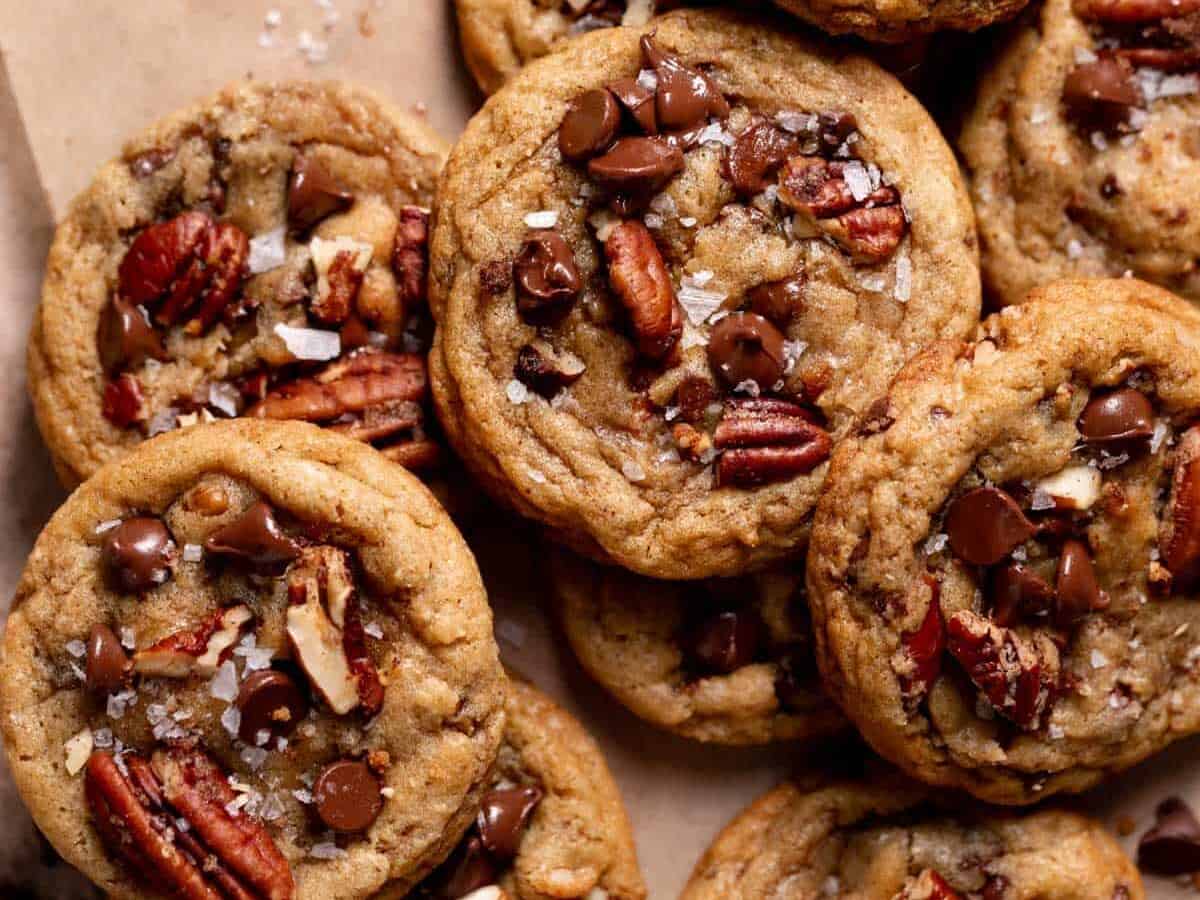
(84, 74)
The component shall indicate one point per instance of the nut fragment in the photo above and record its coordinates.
(757, 154)
(410, 256)
(640, 279)
(1128, 12)
(340, 265)
(767, 440)
(198, 651)
(123, 402)
(924, 649)
(1075, 487)
(1017, 675)
(1017, 592)
(544, 371)
(929, 885)
(1179, 534)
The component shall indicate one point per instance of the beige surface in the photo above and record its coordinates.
(83, 82)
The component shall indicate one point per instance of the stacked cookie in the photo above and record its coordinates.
(700, 296)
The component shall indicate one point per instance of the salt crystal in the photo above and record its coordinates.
(254, 757)
(1041, 500)
(267, 251)
(1084, 55)
(302, 796)
(224, 397)
(792, 351)
(632, 471)
(653, 221)
(517, 392)
(873, 282)
(224, 685)
(192, 553)
(936, 543)
(648, 80)
(231, 720)
(259, 658)
(1099, 660)
(373, 629)
(261, 736)
(796, 122)
(698, 303)
(857, 180)
(547, 218)
(716, 134)
(1074, 249)
(703, 277)
(749, 386)
(1161, 430)
(76, 648)
(536, 476)
(310, 343)
(326, 850)
(688, 222)
(103, 737)
(1039, 116)
(272, 808)
(904, 276)
(1056, 732)
(664, 205)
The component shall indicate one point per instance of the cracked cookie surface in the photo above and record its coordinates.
(1082, 147)
(261, 253)
(729, 661)
(670, 271)
(251, 657)
(887, 838)
(1002, 581)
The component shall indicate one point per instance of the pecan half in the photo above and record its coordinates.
(640, 279)
(924, 649)
(219, 857)
(868, 225)
(410, 256)
(1129, 12)
(767, 440)
(325, 633)
(196, 652)
(1179, 534)
(1017, 675)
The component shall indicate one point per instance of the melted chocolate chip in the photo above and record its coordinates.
(779, 301)
(1017, 592)
(138, 554)
(346, 796)
(637, 165)
(313, 194)
(1123, 415)
(985, 525)
(255, 537)
(724, 642)
(107, 662)
(1078, 591)
(638, 103)
(757, 153)
(547, 278)
(1101, 94)
(502, 818)
(589, 126)
(469, 868)
(685, 97)
(271, 701)
(746, 347)
(125, 336)
(1172, 846)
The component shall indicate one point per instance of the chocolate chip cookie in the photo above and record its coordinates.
(887, 838)
(1082, 147)
(671, 269)
(252, 659)
(551, 823)
(726, 660)
(895, 23)
(261, 254)
(1003, 579)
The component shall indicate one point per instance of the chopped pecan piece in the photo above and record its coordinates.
(1179, 534)
(929, 885)
(544, 371)
(767, 440)
(124, 403)
(1017, 675)
(924, 649)
(340, 265)
(1130, 12)
(325, 632)
(196, 652)
(868, 224)
(640, 279)
(756, 155)
(410, 256)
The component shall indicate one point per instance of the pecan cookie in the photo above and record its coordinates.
(551, 823)
(727, 660)
(886, 838)
(258, 254)
(901, 22)
(1082, 147)
(1003, 581)
(253, 659)
(670, 269)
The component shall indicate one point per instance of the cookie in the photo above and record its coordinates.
(1080, 148)
(886, 838)
(896, 23)
(251, 657)
(261, 253)
(551, 823)
(669, 271)
(727, 661)
(1003, 579)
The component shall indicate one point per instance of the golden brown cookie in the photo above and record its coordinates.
(1003, 578)
(261, 253)
(551, 823)
(886, 838)
(728, 661)
(900, 21)
(255, 657)
(670, 271)
(1082, 151)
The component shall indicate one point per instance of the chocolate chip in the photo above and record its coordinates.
(271, 701)
(724, 642)
(1101, 94)
(138, 554)
(469, 868)
(985, 525)
(637, 165)
(779, 301)
(543, 374)
(685, 97)
(502, 818)
(638, 103)
(1017, 592)
(756, 154)
(313, 194)
(255, 537)
(125, 336)
(347, 796)
(107, 662)
(1172, 845)
(1078, 591)
(547, 278)
(589, 126)
(1123, 415)
(745, 347)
